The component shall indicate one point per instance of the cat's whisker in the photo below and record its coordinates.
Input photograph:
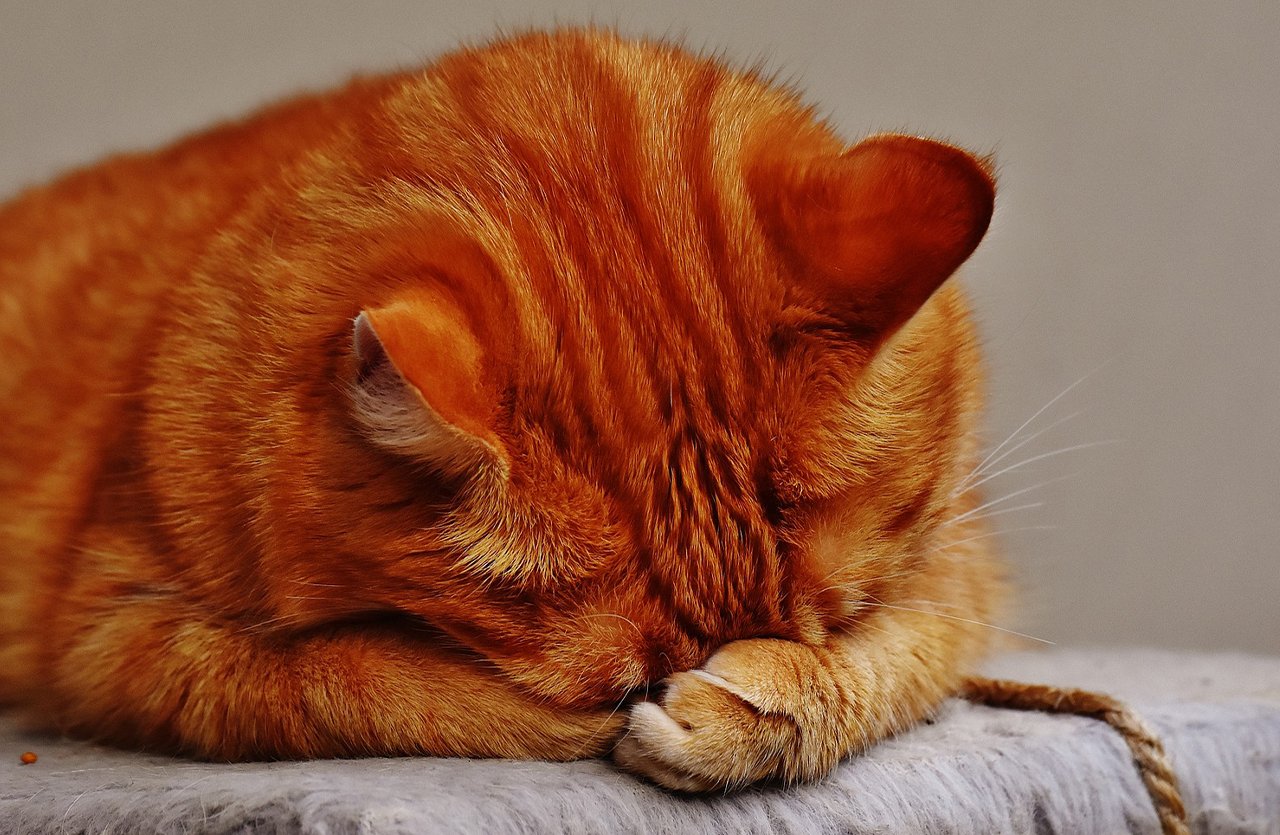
(979, 470)
(945, 605)
(941, 548)
(972, 513)
(835, 587)
(857, 581)
(1020, 444)
(867, 624)
(258, 626)
(963, 620)
(605, 724)
(628, 620)
(854, 568)
(1001, 512)
(1037, 414)
(1041, 457)
(627, 732)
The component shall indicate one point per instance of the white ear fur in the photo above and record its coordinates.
(395, 415)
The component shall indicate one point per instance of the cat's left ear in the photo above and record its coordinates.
(874, 230)
(422, 388)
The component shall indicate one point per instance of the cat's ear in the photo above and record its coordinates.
(874, 230)
(421, 387)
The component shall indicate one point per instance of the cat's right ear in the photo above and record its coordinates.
(875, 229)
(421, 387)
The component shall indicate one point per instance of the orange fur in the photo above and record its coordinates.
(652, 379)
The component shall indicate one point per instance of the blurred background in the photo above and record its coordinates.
(1129, 287)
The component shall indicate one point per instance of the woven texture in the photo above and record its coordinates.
(1148, 752)
(975, 769)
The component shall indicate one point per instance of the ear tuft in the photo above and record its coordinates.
(419, 386)
(370, 355)
(875, 230)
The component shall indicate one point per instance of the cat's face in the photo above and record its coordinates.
(634, 376)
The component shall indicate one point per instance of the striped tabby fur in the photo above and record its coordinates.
(571, 390)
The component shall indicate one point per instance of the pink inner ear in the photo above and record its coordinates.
(429, 341)
(875, 230)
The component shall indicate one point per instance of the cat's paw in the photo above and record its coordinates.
(758, 709)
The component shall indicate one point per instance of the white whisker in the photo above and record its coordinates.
(624, 618)
(991, 462)
(259, 626)
(1039, 412)
(964, 620)
(993, 502)
(853, 567)
(940, 548)
(991, 514)
(1040, 457)
(605, 723)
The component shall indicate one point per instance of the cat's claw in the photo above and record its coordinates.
(733, 722)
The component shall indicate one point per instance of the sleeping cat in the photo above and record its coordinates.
(572, 395)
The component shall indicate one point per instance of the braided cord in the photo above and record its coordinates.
(1148, 754)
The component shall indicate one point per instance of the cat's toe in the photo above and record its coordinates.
(703, 736)
(637, 753)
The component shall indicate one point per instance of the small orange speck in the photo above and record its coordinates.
(28, 758)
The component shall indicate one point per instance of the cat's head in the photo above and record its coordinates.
(643, 358)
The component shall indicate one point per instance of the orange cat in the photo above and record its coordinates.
(441, 413)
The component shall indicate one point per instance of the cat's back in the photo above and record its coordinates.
(86, 263)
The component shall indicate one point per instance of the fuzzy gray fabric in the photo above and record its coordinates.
(973, 770)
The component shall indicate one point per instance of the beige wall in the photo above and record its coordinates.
(1137, 237)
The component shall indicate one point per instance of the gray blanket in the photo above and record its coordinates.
(973, 770)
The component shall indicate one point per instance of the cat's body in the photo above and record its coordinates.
(620, 403)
